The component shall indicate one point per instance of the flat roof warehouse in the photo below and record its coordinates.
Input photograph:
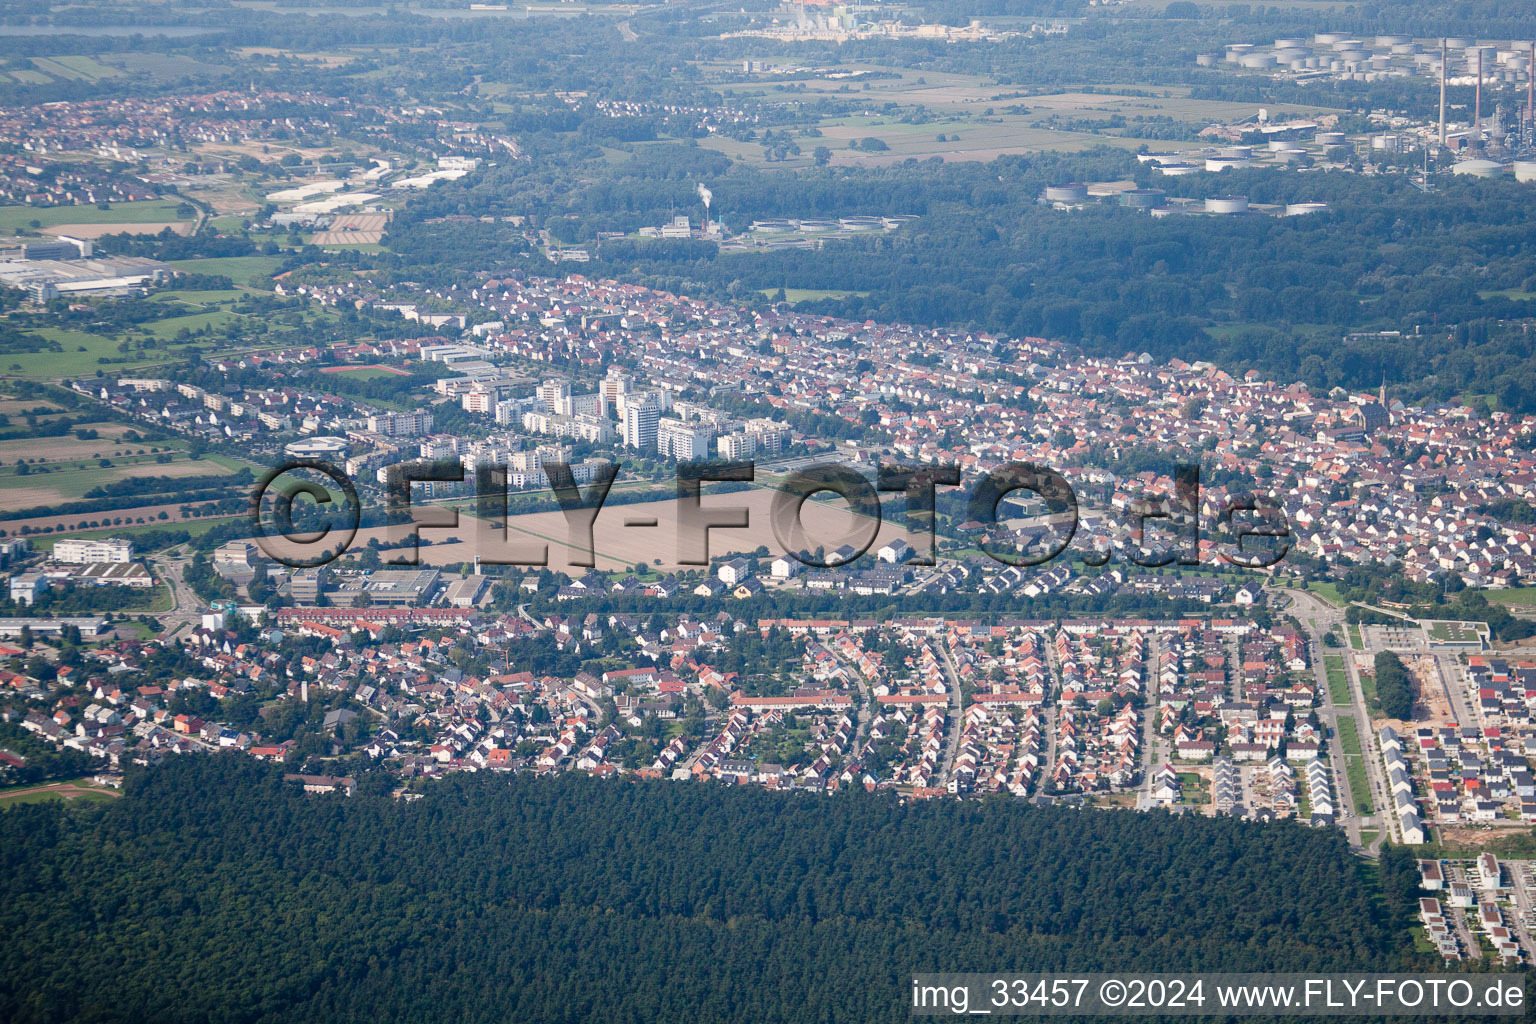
(49, 278)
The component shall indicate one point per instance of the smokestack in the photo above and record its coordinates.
(1477, 122)
(1442, 92)
(1530, 89)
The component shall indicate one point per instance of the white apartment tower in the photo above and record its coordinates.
(640, 421)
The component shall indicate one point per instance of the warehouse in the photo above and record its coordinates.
(47, 279)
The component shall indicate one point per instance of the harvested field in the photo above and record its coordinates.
(347, 237)
(181, 227)
(618, 546)
(360, 222)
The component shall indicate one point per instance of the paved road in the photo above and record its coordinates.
(1474, 949)
(1150, 762)
(1318, 617)
(186, 607)
(866, 708)
(1521, 875)
(952, 748)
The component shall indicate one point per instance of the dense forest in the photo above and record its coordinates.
(212, 891)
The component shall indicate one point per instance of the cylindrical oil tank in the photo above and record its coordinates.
(1226, 204)
(1072, 192)
(1143, 198)
(1386, 143)
(1290, 44)
(1479, 168)
(1405, 49)
(1326, 38)
(1207, 60)
(1176, 170)
(1292, 155)
(1225, 163)
(1237, 152)
(1254, 61)
(1329, 139)
(1297, 209)
(1457, 43)
(1346, 44)
(1525, 170)
(1392, 40)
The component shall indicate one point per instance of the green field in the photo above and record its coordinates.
(153, 210)
(1338, 680)
(168, 328)
(73, 478)
(199, 298)
(1354, 764)
(81, 356)
(1356, 641)
(363, 373)
(1368, 686)
(51, 791)
(239, 269)
(82, 69)
(193, 527)
(1327, 591)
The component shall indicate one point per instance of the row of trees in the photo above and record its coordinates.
(1394, 687)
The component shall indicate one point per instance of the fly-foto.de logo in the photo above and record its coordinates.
(1149, 532)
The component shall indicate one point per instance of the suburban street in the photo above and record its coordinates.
(1318, 617)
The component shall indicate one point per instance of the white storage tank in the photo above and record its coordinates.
(1392, 40)
(1479, 168)
(1254, 61)
(1226, 204)
(1297, 209)
(1525, 170)
(1292, 155)
(1326, 38)
(1206, 60)
(1386, 143)
(1457, 43)
(1405, 49)
(1290, 44)
(1176, 170)
(1236, 152)
(1330, 139)
(1072, 192)
(1223, 163)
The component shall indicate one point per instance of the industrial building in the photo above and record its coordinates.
(401, 588)
(81, 552)
(48, 279)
